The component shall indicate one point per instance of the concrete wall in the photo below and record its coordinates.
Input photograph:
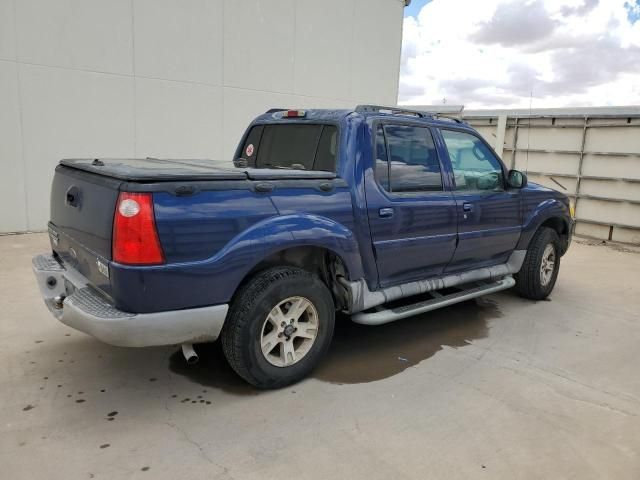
(592, 155)
(171, 78)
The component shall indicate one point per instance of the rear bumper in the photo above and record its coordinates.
(72, 300)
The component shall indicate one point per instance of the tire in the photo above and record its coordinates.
(256, 315)
(531, 282)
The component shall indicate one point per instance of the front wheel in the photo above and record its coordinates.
(279, 326)
(539, 271)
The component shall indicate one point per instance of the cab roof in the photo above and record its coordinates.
(336, 115)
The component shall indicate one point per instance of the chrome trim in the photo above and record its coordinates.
(393, 314)
(363, 299)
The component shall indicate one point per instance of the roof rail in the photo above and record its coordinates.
(403, 111)
(392, 110)
(448, 117)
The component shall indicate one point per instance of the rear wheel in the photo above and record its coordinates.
(279, 326)
(539, 271)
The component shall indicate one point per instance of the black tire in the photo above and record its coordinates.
(243, 329)
(529, 282)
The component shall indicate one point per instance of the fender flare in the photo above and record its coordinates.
(551, 208)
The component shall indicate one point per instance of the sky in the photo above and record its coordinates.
(508, 53)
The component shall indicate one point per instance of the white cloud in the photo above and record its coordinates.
(494, 53)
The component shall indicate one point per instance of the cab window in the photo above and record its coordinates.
(297, 146)
(475, 167)
(406, 159)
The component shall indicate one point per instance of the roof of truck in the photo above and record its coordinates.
(336, 115)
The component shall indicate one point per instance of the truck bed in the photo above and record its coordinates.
(200, 207)
(162, 170)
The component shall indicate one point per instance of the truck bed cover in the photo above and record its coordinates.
(155, 170)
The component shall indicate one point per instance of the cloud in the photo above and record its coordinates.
(516, 23)
(583, 9)
(599, 64)
(494, 53)
(408, 91)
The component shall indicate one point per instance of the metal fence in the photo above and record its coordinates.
(591, 155)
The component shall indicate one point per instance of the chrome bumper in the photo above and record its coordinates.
(75, 303)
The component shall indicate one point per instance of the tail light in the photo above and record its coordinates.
(135, 236)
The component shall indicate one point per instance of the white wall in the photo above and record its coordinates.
(172, 78)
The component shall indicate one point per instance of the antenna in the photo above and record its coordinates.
(526, 167)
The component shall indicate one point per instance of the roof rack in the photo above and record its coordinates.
(392, 110)
(448, 117)
(403, 111)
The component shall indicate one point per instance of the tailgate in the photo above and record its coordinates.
(82, 208)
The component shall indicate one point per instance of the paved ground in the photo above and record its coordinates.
(499, 388)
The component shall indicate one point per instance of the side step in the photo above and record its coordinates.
(438, 300)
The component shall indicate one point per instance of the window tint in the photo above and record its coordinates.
(301, 146)
(250, 147)
(327, 148)
(413, 162)
(474, 165)
(382, 165)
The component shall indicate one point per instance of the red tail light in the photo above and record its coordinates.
(294, 114)
(135, 237)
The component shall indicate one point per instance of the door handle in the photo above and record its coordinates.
(385, 212)
(467, 207)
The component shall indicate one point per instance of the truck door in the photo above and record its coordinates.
(412, 213)
(489, 214)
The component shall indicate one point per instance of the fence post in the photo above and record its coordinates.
(581, 158)
(500, 133)
(515, 143)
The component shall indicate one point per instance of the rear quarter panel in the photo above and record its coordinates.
(212, 240)
(197, 227)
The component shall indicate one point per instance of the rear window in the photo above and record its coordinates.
(298, 146)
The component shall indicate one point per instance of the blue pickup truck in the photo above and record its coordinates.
(377, 212)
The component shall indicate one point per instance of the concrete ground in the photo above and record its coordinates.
(498, 388)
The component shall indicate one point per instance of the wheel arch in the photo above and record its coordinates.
(320, 260)
(561, 227)
(550, 214)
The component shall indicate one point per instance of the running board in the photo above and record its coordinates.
(467, 292)
(360, 298)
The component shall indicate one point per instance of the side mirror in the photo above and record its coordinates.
(517, 179)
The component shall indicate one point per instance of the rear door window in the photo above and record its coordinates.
(298, 146)
(406, 159)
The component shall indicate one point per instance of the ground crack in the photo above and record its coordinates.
(203, 453)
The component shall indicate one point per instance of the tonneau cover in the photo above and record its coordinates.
(162, 170)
